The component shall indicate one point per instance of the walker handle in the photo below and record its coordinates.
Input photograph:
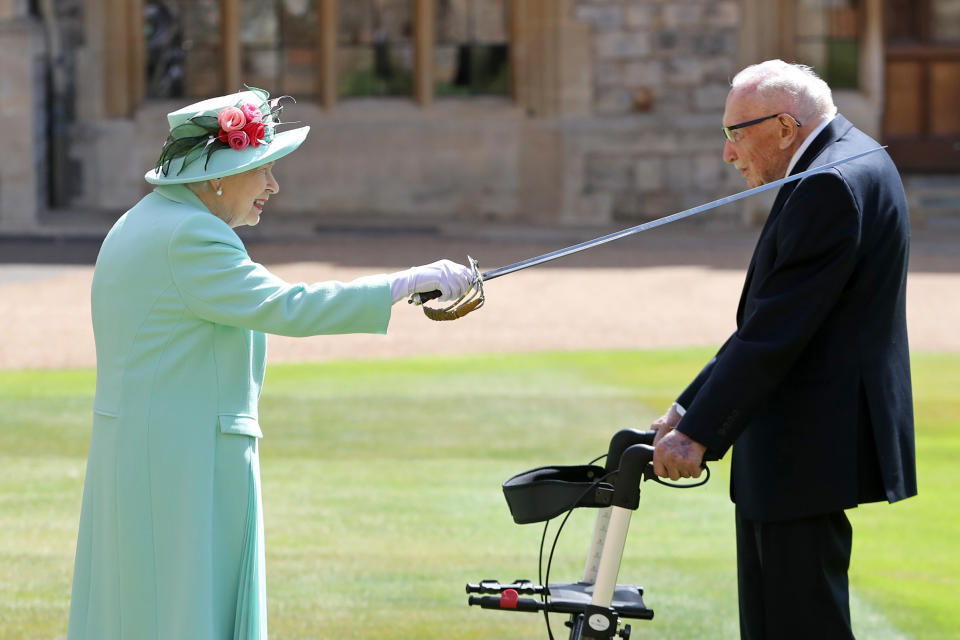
(623, 440)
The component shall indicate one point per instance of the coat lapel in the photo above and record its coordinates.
(833, 131)
(837, 128)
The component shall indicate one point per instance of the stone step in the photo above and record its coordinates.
(934, 201)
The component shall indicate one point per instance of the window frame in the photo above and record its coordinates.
(124, 63)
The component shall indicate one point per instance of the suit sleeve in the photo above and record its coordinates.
(219, 283)
(816, 245)
(686, 398)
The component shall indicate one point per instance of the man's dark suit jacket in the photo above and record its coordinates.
(813, 389)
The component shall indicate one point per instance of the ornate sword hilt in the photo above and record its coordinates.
(470, 301)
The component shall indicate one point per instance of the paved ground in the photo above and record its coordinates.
(667, 287)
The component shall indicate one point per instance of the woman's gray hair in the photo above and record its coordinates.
(795, 86)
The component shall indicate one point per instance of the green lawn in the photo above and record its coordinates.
(382, 498)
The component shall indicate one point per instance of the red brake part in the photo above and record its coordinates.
(509, 598)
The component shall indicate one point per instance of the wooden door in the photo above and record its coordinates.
(922, 111)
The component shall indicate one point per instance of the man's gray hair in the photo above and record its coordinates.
(795, 86)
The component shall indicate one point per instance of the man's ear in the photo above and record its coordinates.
(789, 130)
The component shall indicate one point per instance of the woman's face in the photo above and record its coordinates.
(245, 195)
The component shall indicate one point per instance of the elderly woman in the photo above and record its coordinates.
(171, 541)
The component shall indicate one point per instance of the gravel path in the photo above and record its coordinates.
(659, 289)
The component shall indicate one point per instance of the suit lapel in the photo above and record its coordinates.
(837, 127)
(831, 133)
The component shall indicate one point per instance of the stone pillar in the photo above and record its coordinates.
(232, 48)
(22, 167)
(550, 62)
(327, 53)
(872, 53)
(759, 35)
(424, 36)
(10, 9)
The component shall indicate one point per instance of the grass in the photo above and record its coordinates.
(382, 499)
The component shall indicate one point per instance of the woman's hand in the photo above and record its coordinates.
(450, 278)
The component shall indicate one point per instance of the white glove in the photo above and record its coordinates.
(450, 278)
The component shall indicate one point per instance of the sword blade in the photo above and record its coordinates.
(589, 244)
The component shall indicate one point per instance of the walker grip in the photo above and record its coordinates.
(495, 602)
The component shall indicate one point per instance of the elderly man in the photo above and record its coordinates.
(813, 388)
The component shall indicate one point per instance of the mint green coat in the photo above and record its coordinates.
(171, 543)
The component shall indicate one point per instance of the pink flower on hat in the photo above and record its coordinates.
(254, 131)
(250, 112)
(231, 119)
(238, 140)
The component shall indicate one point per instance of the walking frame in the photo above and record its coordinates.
(596, 604)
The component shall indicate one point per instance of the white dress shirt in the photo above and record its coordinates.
(806, 143)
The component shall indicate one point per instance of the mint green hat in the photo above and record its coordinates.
(223, 136)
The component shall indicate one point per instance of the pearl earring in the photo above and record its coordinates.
(219, 191)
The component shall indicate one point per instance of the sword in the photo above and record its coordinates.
(420, 298)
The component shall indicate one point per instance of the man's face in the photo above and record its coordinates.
(761, 153)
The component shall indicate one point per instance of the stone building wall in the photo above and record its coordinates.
(23, 114)
(637, 92)
(660, 75)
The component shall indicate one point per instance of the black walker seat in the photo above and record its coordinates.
(544, 493)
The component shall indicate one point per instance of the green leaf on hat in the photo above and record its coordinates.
(195, 152)
(263, 93)
(188, 130)
(209, 123)
(181, 146)
(213, 147)
(177, 148)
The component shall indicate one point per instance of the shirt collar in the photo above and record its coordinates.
(806, 143)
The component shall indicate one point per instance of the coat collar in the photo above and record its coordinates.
(180, 193)
(837, 128)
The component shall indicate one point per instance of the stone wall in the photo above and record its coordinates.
(661, 71)
(23, 167)
(633, 133)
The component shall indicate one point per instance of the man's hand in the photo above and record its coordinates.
(665, 423)
(678, 456)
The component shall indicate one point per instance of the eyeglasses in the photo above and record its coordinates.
(728, 131)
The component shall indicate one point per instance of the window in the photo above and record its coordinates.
(827, 39)
(921, 124)
(946, 21)
(471, 55)
(328, 49)
(277, 45)
(182, 42)
(375, 54)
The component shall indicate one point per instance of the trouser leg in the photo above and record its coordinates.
(792, 578)
(749, 581)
